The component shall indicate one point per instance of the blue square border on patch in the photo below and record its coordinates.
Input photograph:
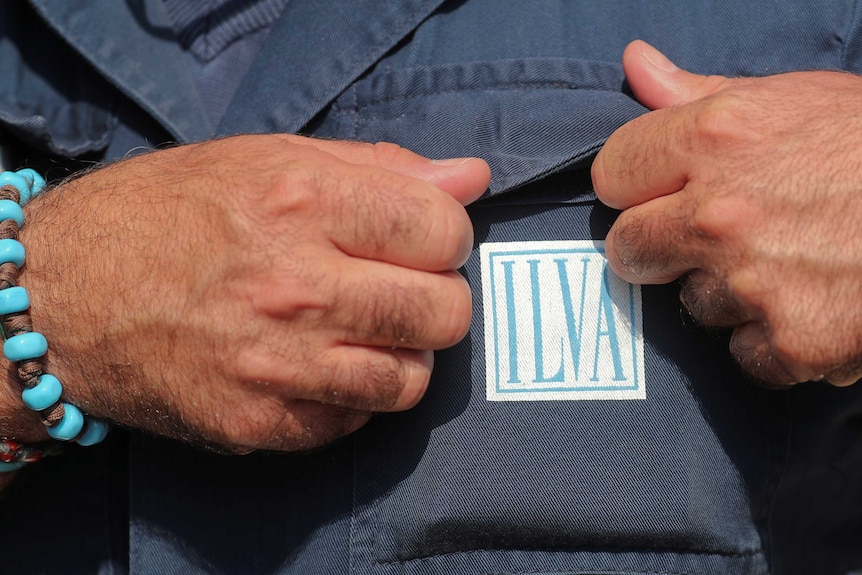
(551, 334)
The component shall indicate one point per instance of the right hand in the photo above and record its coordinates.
(748, 188)
(256, 292)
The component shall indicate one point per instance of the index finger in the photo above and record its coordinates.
(646, 158)
(465, 179)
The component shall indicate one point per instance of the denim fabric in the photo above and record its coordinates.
(708, 474)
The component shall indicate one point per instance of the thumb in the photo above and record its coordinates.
(465, 179)
(659, 83)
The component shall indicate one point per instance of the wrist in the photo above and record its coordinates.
(25, 349)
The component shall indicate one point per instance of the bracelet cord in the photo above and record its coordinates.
(23, 346)
(17, 323)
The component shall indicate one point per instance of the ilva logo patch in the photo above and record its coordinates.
(559, 324)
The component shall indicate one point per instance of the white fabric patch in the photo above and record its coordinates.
(559, 324)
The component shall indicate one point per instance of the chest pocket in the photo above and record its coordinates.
(528, 117)
(674, 481)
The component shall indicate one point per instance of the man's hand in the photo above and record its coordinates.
(256, 292)
(752, 190)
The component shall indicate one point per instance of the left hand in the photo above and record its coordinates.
(751, 189)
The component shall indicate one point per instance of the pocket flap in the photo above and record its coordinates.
(527, 117)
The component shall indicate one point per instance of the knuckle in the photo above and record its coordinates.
(298, 290)
(747, 285)
(298, 186)
(267, 357)
(731, 116)
(717, 120)
(745, 282)
(431, 313)
(719, 215)
(617, 164)
(387, 154)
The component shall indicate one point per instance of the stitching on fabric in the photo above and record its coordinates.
(372, 55)
(495, 88)
(587, 572)
(355, 113)
(592, 571)
(653, 551)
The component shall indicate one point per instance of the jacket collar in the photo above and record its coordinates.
(132, 45)
(313, 52)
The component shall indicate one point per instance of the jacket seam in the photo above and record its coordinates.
(495, 88)
(652, 551)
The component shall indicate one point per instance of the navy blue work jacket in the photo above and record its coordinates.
(580, 428)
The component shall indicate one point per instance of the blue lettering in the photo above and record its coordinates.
(574, 331)
(537, 331)
(510, 316)
(606, 311)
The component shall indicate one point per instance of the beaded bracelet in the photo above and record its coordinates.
(25, 347)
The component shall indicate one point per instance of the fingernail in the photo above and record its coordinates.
(657, 59)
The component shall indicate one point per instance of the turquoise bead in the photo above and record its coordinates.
(19, 181)
(7, 467)
(96, 432)
(45, 394)
(70, 426)
(9, 210)
(25, 346)
(36, 181)
(14, 300)
(11, 251)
